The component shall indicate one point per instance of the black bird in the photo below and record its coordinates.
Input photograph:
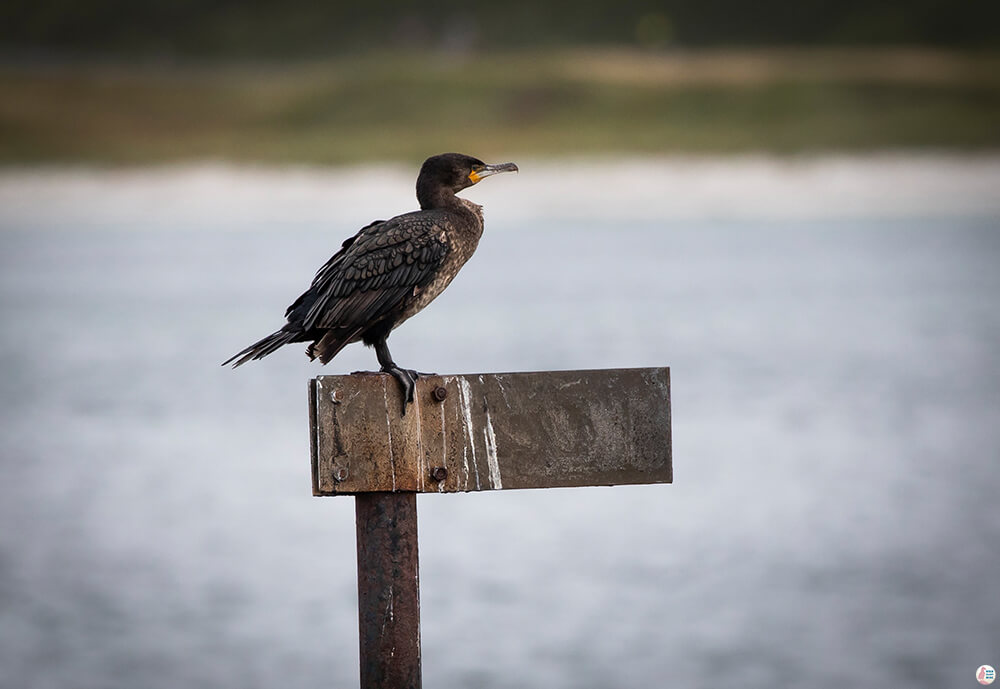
(388, 271)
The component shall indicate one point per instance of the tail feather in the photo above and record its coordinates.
(263, 347)
(331, 343)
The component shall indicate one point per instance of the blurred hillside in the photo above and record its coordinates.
(108, 81)
(310, 28)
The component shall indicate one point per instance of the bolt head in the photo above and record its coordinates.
(340, 474)
(439, 393)
(439, 473)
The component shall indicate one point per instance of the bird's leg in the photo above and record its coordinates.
(406, 377)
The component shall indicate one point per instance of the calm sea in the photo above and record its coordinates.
(833, 331)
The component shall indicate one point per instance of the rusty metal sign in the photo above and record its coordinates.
(491, 431)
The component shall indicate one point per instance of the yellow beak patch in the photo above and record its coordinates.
(474, 177)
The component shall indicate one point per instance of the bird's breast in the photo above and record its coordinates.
(462, 240)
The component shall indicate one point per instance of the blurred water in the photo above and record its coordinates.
(832, 328)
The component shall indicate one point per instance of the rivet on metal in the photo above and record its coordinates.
(439, 393)
(339, 474)
(439, 473)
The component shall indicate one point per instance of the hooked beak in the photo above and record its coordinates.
(487, 170)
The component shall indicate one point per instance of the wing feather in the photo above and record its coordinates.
(374, 274)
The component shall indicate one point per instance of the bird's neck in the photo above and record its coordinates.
(444, 199)
(432, 195)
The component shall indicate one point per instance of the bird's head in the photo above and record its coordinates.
(449, 173)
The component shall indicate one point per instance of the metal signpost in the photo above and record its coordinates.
(473, 432)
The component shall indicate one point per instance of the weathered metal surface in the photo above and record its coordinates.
(491, 431)
(388, 590)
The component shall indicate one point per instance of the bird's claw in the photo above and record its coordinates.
(408, 379)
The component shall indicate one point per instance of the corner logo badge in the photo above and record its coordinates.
(986, 674)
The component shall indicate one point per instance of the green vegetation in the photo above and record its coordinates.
(404, 106)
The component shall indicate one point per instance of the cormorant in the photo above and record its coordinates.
(388, 271)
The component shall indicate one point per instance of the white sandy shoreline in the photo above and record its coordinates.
(667, 188)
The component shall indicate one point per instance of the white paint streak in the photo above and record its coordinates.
(465, 465)
(389, 615)
(316, 435)
(388, 432)
(421, 463)
(444, 451)
(491, 452)
(470, 438)
(503, 390)
(570, 384)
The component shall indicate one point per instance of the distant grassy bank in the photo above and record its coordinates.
(402, 107)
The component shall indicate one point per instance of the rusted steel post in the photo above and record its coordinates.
(388, 590)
